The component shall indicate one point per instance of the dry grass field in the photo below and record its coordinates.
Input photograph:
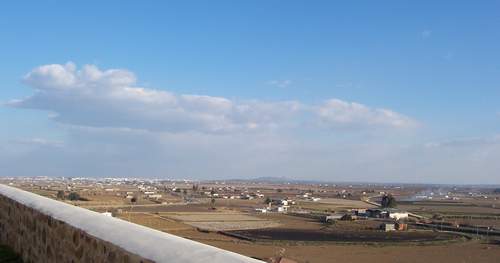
(154, 221)
(221, 221)
(463, 252)
(473, 208)
(333, 204)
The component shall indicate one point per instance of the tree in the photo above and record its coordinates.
(268, 200)
(329, 222)
(184, 191)
(212, 203)
(60, 194)
(133, 200)
(73, 196)
(388, 201)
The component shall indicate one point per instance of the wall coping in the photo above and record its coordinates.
(140, 240)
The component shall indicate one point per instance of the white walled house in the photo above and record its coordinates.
(398, 215)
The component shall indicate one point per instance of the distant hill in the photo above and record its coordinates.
(276, 180)
(270, 179)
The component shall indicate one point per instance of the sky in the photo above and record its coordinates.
(342, 91)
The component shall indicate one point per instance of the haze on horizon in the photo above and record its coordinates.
(391, 91)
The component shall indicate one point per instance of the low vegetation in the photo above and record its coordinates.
(388, 201)
(8, 256)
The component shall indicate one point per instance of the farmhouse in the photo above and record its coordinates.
(387, 213)
(398, 215)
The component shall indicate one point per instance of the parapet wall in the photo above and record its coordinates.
(45, 230)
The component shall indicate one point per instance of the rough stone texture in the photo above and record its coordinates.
(45, 230)
(40, 238)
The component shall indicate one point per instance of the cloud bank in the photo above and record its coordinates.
(110, 98)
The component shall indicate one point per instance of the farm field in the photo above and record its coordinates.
(430, 207)
(348, 236)
(316, 251)
(466, 252)
(221, 221)
(334, 204)
(154, 221)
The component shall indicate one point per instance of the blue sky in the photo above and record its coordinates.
(433, 64)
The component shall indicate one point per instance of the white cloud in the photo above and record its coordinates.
(95, 98)
(92, 97)
(338, 113)
(280, 83)
(466, 142)
(39, 142)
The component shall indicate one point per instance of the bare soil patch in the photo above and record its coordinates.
(344, 236)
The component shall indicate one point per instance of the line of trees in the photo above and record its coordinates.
(72, 196)
(388, 201)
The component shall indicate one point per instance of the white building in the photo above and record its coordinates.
(262, 210)
(398, 215)
(282, 209)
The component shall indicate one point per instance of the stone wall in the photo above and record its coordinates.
(41, 238)
(45, 230)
